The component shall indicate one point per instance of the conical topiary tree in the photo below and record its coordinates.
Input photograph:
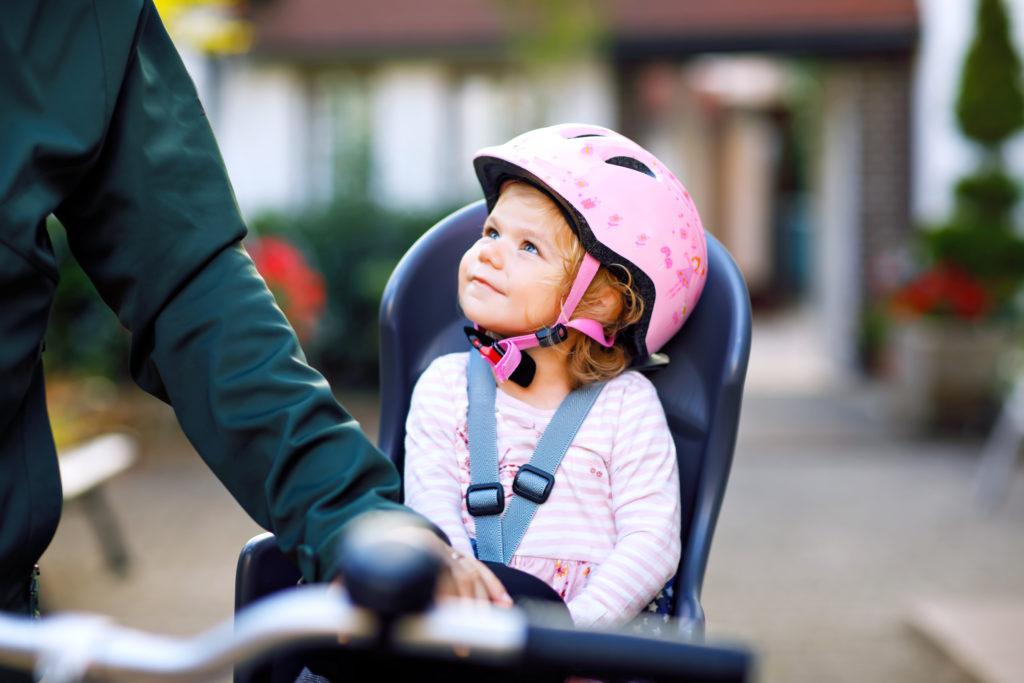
(980, 237)
(990, 105)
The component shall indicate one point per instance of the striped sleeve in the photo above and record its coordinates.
(431, 478)
(644, 480)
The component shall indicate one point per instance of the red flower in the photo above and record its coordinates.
(298, 288)
(945, 289)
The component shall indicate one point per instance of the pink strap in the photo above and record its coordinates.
(584, 276)
(592, 329)
(504, 368)
(513, 346)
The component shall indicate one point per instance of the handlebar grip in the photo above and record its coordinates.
(391, 578)
(616, 654)
(384, 570)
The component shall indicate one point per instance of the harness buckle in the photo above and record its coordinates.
(485, 499)
(533, 484)
(554, 335)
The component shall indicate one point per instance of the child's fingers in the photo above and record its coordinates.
(476, 572)
(467, 577)
(494, 588)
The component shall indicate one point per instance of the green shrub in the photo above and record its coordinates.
(994, 257)
(355, 245)
(990, 103)
(987, 196)
(84, 337)
(980, 237)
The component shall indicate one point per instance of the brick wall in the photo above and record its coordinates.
(885, 223)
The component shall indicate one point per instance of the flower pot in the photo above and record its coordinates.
(946, 373)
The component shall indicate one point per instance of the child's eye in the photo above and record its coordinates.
(530, 247)
(490, 232)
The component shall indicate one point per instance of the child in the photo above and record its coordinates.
(592, 257)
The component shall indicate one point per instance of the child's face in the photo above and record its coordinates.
(510, 280)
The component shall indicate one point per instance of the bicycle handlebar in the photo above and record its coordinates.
(68, 647)
(384, 575)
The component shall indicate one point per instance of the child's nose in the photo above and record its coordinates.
(491, 253)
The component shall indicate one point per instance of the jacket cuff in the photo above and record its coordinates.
(322, 564)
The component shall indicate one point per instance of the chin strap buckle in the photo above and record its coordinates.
(554, 335)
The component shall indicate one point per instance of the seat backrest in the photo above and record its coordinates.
(701, 388)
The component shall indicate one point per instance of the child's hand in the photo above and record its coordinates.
(464, 576)
(460, 575)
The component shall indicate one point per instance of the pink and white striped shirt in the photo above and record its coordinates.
(608, 537)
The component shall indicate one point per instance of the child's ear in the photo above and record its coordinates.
(609, 302)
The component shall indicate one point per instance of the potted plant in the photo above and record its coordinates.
(957, 315)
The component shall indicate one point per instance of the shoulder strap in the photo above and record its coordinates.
(551, 448)
(485, 491)
(499, 536)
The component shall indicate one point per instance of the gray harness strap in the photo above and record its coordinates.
(481, 431)
(498, 535)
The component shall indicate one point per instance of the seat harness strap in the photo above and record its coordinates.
(498, 535)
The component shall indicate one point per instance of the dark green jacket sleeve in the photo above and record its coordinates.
(154, 224)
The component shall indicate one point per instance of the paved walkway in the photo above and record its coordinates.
(836, 539)
(849, 551)
(845, 551)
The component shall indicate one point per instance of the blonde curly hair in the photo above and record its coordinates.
(588, 360)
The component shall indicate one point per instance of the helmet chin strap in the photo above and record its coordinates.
(507, 357)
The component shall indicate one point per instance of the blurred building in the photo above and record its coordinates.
(792, 122)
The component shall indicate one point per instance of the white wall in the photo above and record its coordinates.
(262, 122)
(427, 122)
(493, 108)
(580, 93)
(837, 218)
(409, 116)
(260, 117)
(424, 124)
(479, 109)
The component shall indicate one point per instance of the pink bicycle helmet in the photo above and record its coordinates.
(625, 207)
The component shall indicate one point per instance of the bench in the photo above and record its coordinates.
(83, 470)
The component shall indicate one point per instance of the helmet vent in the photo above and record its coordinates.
(632, 164)
(586, 135)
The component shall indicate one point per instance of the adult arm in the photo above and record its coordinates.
(151, 218)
